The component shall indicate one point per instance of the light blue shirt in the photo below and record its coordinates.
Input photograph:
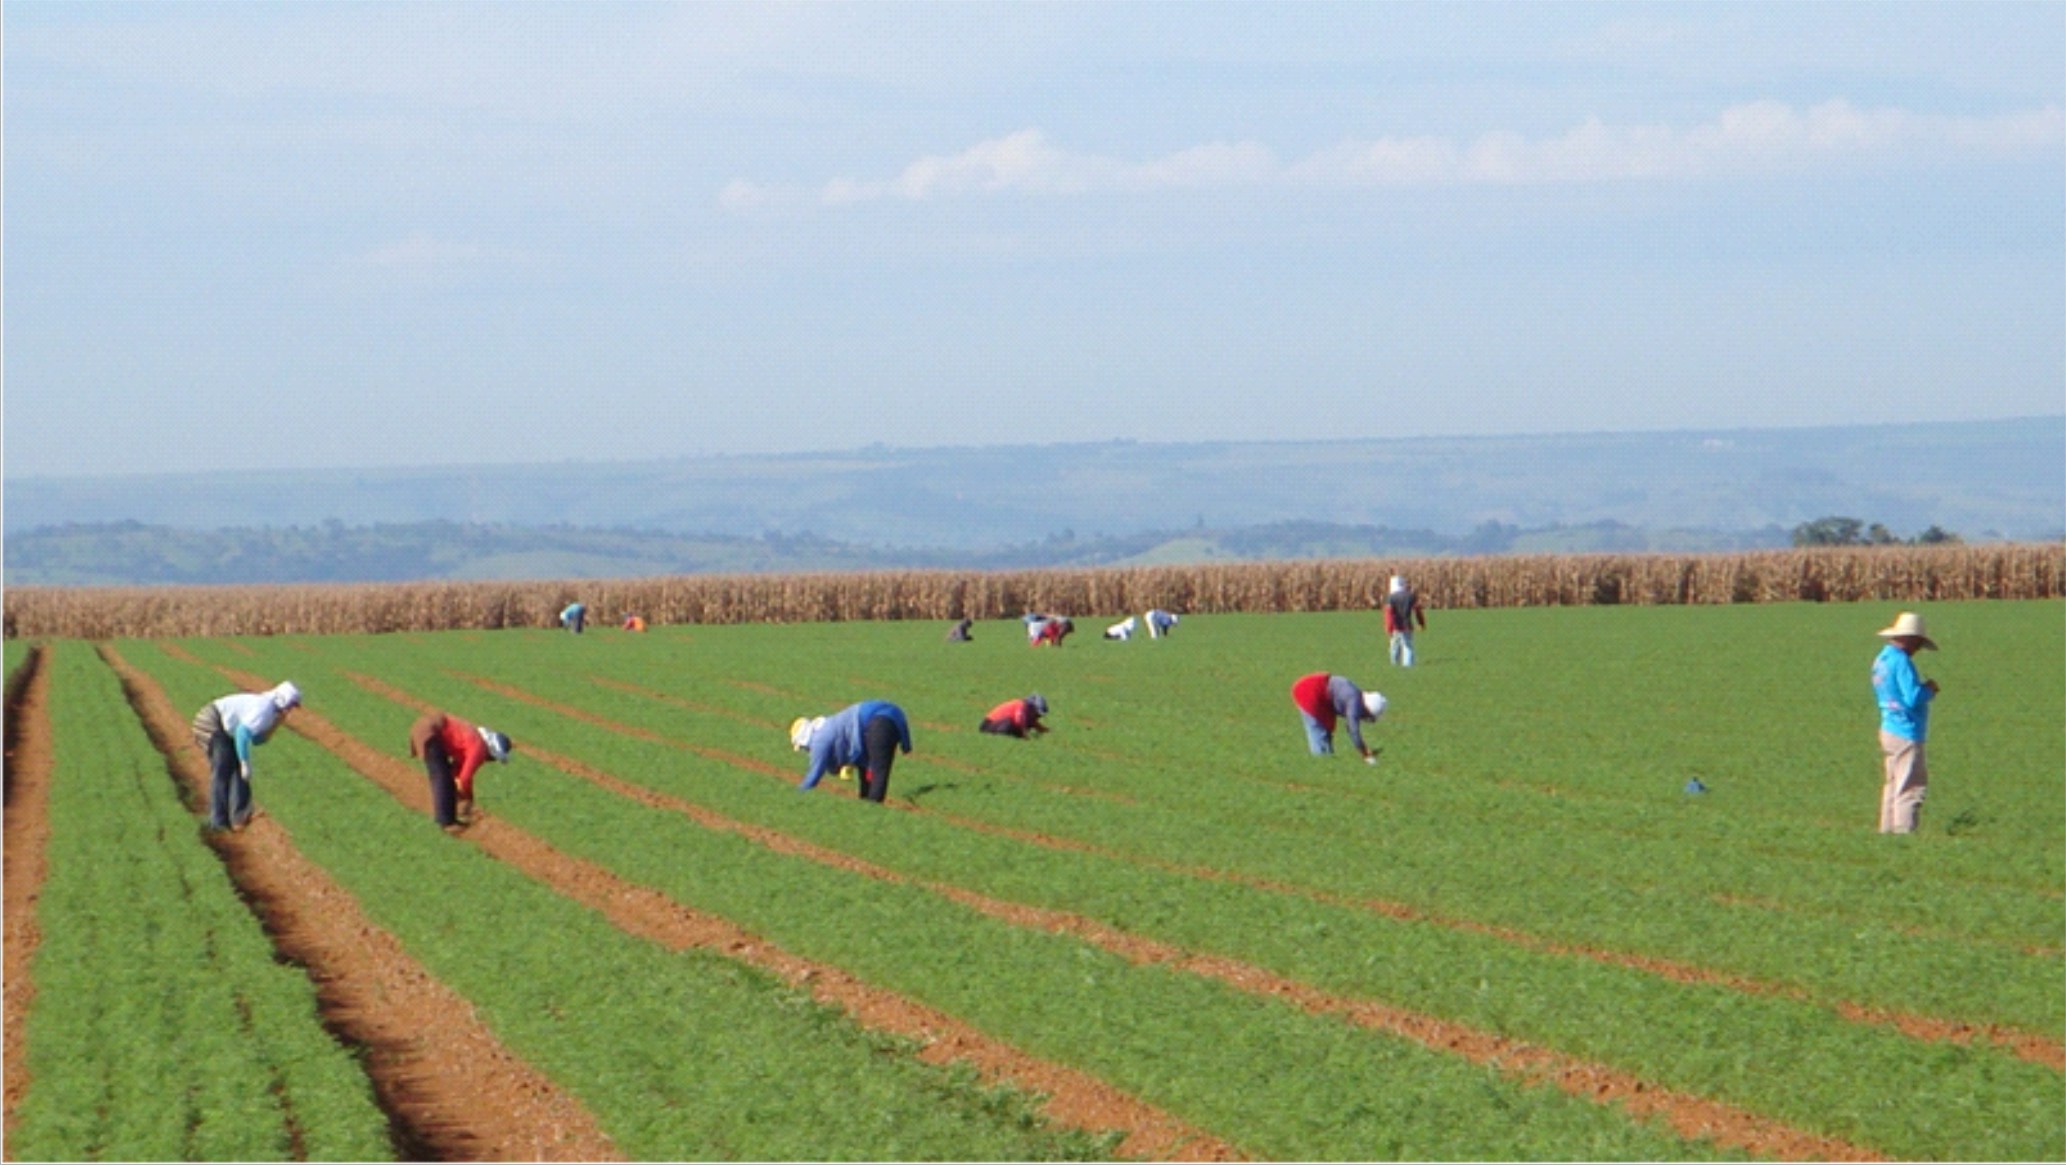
(1904, 703)
(838, 743)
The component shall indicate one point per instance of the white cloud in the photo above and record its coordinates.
(1748, 140)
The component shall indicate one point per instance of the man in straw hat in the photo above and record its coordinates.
(1904, 721)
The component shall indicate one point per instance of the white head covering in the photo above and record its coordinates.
(802, 729)
(286, 696)
(1398, 583)
(498, 744)
(1374, 703)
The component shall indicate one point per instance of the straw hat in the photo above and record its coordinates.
(1909, 625)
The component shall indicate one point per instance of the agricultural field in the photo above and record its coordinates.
(1162, 930)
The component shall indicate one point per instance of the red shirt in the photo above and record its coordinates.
(461, 743)
(1310, 694)
(1015, 712)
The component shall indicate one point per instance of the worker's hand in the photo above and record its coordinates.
(1931, 685)
(244, 771)
(1369, 758)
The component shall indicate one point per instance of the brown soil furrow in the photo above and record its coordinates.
(450, 1087)
(1691, 1116)
(1074, 1099)
(27, 837)
(2032, 1046)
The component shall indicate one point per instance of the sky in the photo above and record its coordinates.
(266, 236)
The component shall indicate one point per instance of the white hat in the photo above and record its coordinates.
(286, 696)
(802, 729)
(1909, 625)
(1374, 703)
(498, 744)
(1398, 582)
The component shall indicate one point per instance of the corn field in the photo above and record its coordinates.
(1849, 574)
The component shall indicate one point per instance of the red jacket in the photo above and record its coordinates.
(1310, 694)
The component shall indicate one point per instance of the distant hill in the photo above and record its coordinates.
(1040, 505)
(133, 554)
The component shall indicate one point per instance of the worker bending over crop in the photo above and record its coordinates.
(1020, 718)
(453, 751)
(225, 729)
(1323, 699)
(867, 734)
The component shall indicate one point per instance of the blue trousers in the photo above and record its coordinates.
(229, 793)
(1319, 739)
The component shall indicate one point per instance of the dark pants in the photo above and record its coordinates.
(1003, 728)
(229, 794)
(444, 794)
(878, 752)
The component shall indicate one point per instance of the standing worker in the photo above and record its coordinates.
(226, 729)
(574, 617)
(452, 751)
(1402, 611)
(1904, 721)
(1020, 718)
(1160, 623)
(867, 734)
(1322, 699)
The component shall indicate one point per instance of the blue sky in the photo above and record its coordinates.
(253, 236)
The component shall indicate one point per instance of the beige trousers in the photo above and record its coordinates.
(1908, 778)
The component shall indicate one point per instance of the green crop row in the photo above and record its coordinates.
(1531, 780)
(679, 1055)
(1771, 1054)
(163, 1028)
(1270, 1077)
(1742, 880)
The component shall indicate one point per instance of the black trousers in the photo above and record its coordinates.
(878, 752)
(444, 793)
(1002, 728)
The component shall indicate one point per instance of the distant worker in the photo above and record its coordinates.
(453, 751)
(1402, 611)
(1049, 632)
(1904, 721)
(575, 617)
(1123, 629)
(1323, 699)
(867, 734)
(960, 631)
(634, 623)
(225, 729)
(1160, 623)
(1020, 718)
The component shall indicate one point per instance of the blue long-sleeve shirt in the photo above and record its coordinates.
(838, 741)
(1904, 703)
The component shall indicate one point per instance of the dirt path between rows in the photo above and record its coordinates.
(452, 1092)
(1074, 1099)
(2032, 1046)
(27, 837)
(1689, 1115)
